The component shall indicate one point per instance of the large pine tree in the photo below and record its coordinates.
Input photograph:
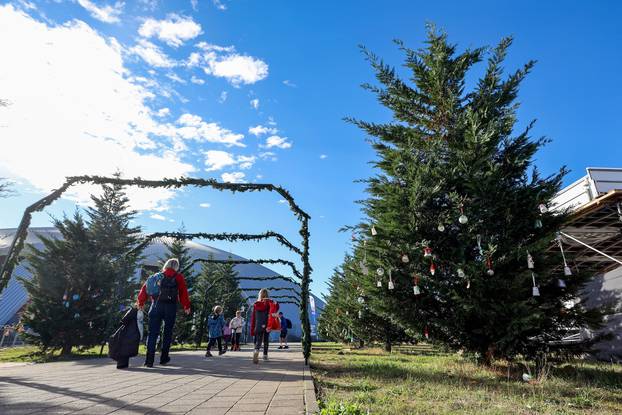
(455, 175)
(68, 291)
(110, 226)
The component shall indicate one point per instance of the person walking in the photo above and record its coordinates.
(285, 324)
(215, 325)
(236, 325)
(264, 319)
(164, 289)
(226, 334)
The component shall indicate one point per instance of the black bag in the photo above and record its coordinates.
(124, 342)
(289, 323)
(168, 290)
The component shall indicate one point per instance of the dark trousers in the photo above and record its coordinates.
(235, 339)
(123, 362)
(213, 340)
(262, 336)
(161, 312)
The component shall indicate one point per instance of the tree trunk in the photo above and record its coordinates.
(66, 351)
(387, 339)
(361, 343)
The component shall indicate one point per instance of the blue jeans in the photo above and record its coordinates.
(157, 313)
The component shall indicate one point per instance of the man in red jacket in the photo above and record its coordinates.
(171, 288)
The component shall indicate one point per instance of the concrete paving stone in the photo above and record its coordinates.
(256, 399)
(98, 409)
(250, 407)
(218, 403)
(287, 402)
(285, 410)
(208, 411)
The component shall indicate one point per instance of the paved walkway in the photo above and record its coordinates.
(230, 384)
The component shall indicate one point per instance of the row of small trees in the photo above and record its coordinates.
(456, 241)
(83, 281)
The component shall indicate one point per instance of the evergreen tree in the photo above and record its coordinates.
(217, 284)
(455, 176)
(67, 291)
(347, 317)
(113, 236)
(177, 248)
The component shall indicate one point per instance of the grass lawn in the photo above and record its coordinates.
(32, 355)
(398, 383)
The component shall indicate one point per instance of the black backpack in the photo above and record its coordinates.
(168, 290)
(289, 323)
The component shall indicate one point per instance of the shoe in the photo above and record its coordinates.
(208, 354)
(164, 359)
(220, 353)
(286, 347)
(265, 357)
(280, 347)
(149, 359)
(122, 366)
(256, 357)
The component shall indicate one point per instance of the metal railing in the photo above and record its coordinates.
(9, 337)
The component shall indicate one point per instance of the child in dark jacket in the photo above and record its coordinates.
(215, 325)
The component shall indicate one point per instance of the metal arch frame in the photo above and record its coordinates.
(12, 258)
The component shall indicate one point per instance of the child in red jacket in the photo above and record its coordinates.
(264, 319)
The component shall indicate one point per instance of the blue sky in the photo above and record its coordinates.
(256, 91)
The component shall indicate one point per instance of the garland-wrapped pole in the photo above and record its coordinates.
(304, 291)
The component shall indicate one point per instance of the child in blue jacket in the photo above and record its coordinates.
(215, 325)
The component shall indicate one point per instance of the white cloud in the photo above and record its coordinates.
(152, 54)
(255, 103)
(260, 130)
(289, 83)
(174, 77)
(196, 80)
(163, 112)
(219, 4)
(323, 156)
(217, 160)
(223, 97)
(174, 30)
(235, 177)
(205, 205)
(268, 155)
(282, 201)
(149, 4)
(194, 128)
(107, 13)
(246, 162)
(80, 108)
(237, 69)
(157, 216)
(278, 142)
(194, 4)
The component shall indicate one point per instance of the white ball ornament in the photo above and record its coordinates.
(463, 219)
(461, 273)
(441, 227)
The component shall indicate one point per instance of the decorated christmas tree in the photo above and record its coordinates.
(68, 292)
(459, 241)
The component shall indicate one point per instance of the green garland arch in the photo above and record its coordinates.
(13, 255)
(230, 237)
